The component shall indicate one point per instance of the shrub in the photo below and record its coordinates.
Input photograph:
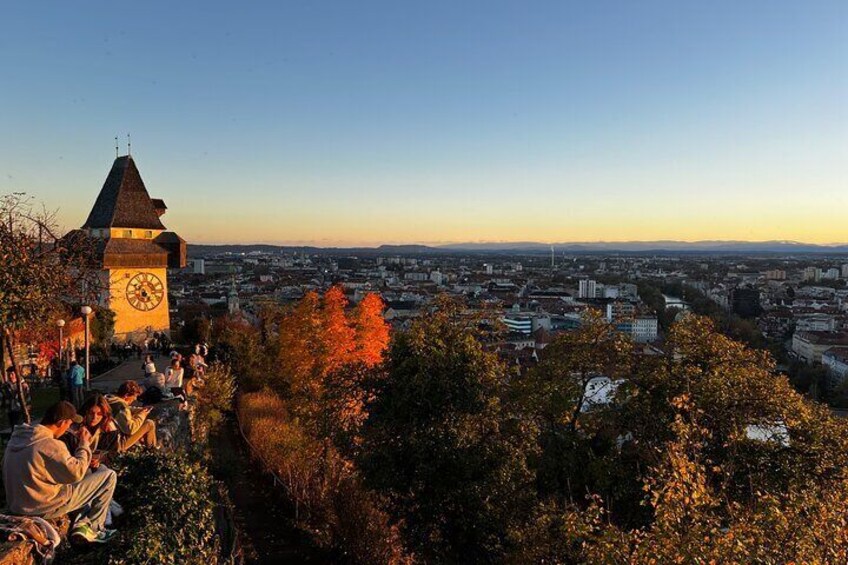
(170, 511)
(324, 487)
(214, 400)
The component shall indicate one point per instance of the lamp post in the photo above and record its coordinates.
(61, 324)
(86, 311)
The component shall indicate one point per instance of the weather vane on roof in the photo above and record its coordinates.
(129, 146)
(116, 147)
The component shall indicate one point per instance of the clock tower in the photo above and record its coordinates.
(134, 251)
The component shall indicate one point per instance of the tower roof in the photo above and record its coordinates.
(123, 201)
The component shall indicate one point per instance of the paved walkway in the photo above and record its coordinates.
(112, 379)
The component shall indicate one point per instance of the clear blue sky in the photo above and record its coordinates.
(369, 122)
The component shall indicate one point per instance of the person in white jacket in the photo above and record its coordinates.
(42, 478)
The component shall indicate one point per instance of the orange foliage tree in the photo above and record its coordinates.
(306, 427)
(336, 333)
(321, 341)
(372, 332)
(298, 342)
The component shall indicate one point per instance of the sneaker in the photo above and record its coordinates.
(103, 536)
(83, 534)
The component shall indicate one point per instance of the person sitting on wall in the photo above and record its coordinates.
(42, 478)
(132, 423)
(174, 378)
(194, 373)
(149, 367)
(97, 417)
(155, 390)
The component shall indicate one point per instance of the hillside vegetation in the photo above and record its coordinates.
(425, 448)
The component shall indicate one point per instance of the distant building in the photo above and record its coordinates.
(809, 346)
(518, 324)
(526, 324)
(644, 329)
(198, 266)
(628, 290)
(812, 274)
(835, 360)
(221, 268)
(586, 289)
(776, 275)
(610, 292)
(674, 302)
(831, 274)
(619, 309)
(815, 323)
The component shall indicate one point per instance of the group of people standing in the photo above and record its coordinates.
(159, 342)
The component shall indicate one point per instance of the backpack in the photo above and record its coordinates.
(152, 395)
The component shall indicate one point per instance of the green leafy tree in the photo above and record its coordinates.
(735, 465)
(441, 445)
(103, 326)
(560, 396)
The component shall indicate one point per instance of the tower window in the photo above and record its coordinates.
(128, 233)
(148, 234)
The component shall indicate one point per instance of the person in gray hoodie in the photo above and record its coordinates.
(42, 478)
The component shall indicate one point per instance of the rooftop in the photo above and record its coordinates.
(123, 201)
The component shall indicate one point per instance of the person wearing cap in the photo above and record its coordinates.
(42, 478)
(132, 423)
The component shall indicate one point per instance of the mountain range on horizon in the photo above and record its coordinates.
(535, 248)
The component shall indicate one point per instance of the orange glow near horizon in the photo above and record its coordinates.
(331, 231)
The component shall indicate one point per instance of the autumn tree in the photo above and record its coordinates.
(734, 465)
(336, 333)
(372, 331)
(320, 336)
(298, 356)
(41, 272)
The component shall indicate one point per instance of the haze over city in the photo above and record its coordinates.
(343, 123)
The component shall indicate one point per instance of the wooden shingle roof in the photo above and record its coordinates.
(119, 252)
(123, 201)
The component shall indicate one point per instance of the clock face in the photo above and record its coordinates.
(145, 291)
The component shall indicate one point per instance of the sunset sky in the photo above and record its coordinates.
(366, 122)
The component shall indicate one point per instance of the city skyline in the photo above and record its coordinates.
(342, 125)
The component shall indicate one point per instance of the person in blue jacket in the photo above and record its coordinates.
(76, 378)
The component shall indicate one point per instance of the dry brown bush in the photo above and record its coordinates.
(325, 488)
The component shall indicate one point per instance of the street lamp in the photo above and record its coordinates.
(61, 324)
(86, 311)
